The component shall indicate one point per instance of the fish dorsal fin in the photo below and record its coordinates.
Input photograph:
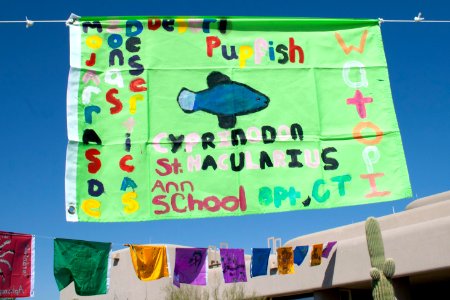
(216, 78)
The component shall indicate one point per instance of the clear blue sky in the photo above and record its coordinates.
(34, 65)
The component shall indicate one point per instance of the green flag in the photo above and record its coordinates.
(85, 263)
(172, 117)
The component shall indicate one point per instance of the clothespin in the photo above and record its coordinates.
(28, 23)
(419, 18)
(72, 19)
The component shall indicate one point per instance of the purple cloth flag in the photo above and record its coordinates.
(300, 254)
(233, 265)
(190, 266)
(328, 249)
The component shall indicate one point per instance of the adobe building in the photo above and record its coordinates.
(418, 239)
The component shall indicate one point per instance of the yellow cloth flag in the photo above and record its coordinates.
(316, 254)
(285, 257)
(150, 262)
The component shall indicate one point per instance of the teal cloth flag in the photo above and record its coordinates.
(300, 254)
(85, 263)
(260, 260)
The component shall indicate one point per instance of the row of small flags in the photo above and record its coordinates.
(88, 264)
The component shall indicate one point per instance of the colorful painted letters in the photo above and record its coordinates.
(188, 118)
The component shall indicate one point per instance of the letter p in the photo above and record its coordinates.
(211, 43)
(245, 52)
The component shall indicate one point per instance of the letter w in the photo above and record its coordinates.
(346, 49)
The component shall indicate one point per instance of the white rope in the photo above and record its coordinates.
(40, 21)
(381, 19)
(73, 18)
(29, 23)
(418, 19)
(414, 21)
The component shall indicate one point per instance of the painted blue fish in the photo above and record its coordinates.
(224, 98)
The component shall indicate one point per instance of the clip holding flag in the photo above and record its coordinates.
(419, 18)
(28, 23)
(72, 19)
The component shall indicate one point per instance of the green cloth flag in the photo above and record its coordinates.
(85, 263)
(175, 117)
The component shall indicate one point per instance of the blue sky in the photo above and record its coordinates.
(34, 65)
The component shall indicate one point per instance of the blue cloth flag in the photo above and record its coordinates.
(260, 260)
(300, 254)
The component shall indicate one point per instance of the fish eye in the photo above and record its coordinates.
(257, 98)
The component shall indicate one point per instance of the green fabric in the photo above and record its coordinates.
(136, 171)
(85, 263)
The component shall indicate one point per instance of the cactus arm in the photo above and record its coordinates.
(375, 243)
(375, 273)
(389, 268)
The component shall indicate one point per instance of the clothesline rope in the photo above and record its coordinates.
(38, 236)
(73, 18)
(39, 21)
(413, 21)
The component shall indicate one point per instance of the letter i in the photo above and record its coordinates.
(128, 142)
(271, 51)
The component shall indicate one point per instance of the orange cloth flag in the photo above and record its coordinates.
(316, 254)
(150, 262)
(285, 257)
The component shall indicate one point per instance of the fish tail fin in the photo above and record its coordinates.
(186, 100)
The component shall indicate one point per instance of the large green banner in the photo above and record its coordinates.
(175, 117)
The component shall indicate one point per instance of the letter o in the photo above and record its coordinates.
(115, 41)
(284, 133)
(216, 201)
(362, 125)
(94, 42)
(253, 135)
(230, 199)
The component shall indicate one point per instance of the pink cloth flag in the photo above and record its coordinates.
(16, 265)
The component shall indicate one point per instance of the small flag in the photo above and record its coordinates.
(328, 248)
(316, 254)
(85, 263)
(149, 262)
(260, 261)
(190, 266)
(16, 265)
(285, 257)
(233, 265)
(300, 254)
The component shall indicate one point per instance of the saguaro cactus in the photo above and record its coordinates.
(382, 269)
